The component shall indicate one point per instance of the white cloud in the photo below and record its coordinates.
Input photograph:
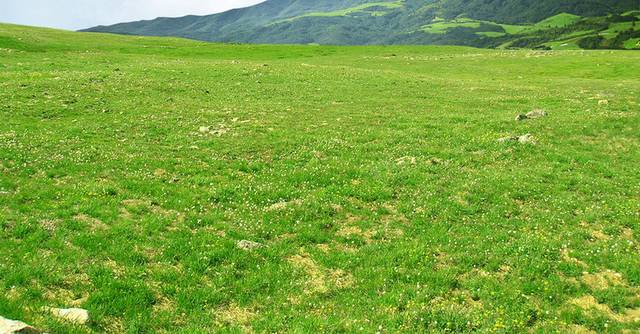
(78, 14)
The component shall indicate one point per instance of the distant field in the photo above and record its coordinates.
(372, 8)
(560, 20)
(372, 177)
(559, 32)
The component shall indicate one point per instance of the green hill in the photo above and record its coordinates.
(174, 186)
(361, 22)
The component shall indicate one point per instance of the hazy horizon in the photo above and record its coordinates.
(80, 14)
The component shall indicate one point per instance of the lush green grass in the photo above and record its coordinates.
(440, 26)
(491, 33)
(557, 21)
(633, 43)
(515, 29)
(616, 28)
(372, 175)
(564, 45)
(545, 33)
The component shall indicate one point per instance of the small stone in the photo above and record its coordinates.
(75, 315)
(406, 160)
(603, 102)
(524, 139)
(537, 113)
(204, 129)
(16, 327)
(248, 245)
(507, 139)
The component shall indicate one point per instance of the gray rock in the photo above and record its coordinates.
(248, 245)
(75, 315)
(507, 139)
(524, 139)
(536, 113)
(16, 327)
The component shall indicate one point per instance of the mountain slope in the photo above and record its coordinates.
(527, 11)
(480, 23)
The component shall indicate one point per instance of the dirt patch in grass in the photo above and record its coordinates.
(627, 234)
(589, 303)
(15, 293)
(59, 295)
(235, 315)
(324, 248)
(351, 231)
(49, 225)
(599, 235)
(316, 280)
(341, 279)
(163, 304)
(578, 329)
(115, 268)
(565, 255)
(114, 325)
(602, 280)
(283, 205)
(94, 224)
(137, 207)
(320, 279)
(442, 260)
(459, 301)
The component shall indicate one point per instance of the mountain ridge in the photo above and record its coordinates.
(364, 22)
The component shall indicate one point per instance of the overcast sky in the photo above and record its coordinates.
(78, 14)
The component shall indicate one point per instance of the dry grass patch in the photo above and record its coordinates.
(589, 303)
(94, 224)
(565, 255)
(236, 315)
(283, 205)
(602, 280)
(324, 248)
(318, 278)
(351, 231)
(599, 235)
(117, 269)
(50, 225)
(578, 329)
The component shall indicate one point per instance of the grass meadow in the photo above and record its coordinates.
(371, 177)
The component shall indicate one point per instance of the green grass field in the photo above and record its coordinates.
(373, 177)
(557, 21)
(441, 26)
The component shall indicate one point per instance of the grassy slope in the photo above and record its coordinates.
(347, 11)
(110, 196)
(560, 20)
(566, 41)
(443, 26)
